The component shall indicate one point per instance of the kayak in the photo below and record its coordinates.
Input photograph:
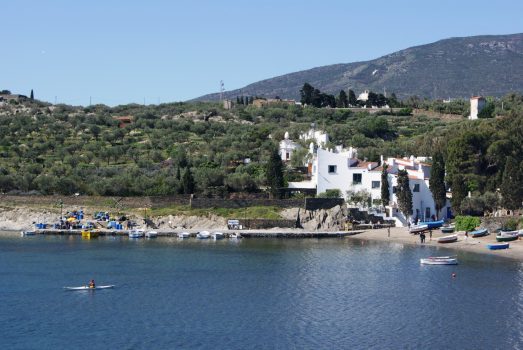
(89, 288)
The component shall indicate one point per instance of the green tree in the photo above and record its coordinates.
(404, 193)
(188, 181)
(306, 93)
(343, 101)
(274, 173)
(385, 188)
(459, 192)
(437, 182)
(32, 95)
(352, 98)
(512, 184)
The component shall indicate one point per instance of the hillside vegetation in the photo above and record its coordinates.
(203, 149)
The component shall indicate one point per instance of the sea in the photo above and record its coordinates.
(334, 293)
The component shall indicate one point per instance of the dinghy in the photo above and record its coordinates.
(478, 233)
(498, 246)
(439, 260)
(184, 234)
(418, 228)
(448, 239)
(89, 288)
(448, 229)
(505, 237)
(432, 224)
(203, 235)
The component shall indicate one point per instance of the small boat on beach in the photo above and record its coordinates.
(439, 260)
(183, 234)
(520, 233)
(508, 233)
(136, 233)
(151, 234)
(478, 233)
(506, 237)
(203, 235)
(448, 229)
(89, 288)
(217, 235)
(448, 239)
(418, 228)
(27, 233)
(432, 224)
(498, 246)
(235, 235)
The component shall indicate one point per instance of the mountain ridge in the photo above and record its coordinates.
(454, 67)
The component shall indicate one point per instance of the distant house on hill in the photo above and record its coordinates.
(123, 121)
(287, 146)
(364, 96)
(477, 103)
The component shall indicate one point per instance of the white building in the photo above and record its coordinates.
(287, 146)
(364, 96)
(343, 171)
(477, 103)
(318, 137)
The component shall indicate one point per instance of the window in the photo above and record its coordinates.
(376, 184)
(356, 178)
(416, 188)
(332, 169)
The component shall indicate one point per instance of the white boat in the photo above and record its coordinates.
(136, 233)
(440, 260)
(235, 235)
(203, 235)
(418, 228)
(508, 233)
(90, 288)
(448, 239)
(151, 234)
(184, 235)
(217, 235)
(27, 233)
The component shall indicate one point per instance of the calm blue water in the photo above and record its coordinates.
(258, 293)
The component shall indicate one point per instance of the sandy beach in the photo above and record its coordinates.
(475, 245)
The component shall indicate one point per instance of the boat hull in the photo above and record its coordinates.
(448, 229)
(478, 233)
(89, 288)
(448, 239)
(506, 238)
(439, 261)
(418, 228)
(498, 246)
(433, 224)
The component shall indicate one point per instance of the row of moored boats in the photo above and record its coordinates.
(200, 235)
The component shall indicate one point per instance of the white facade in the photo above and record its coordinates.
(287, 146)
(321, 139)
(364, 96)
(345, 173)
(477, 104)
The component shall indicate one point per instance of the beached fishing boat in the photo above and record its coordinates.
(432, 224)
(203, 235)
(217, 235)
(478, 233)
(498, 246)
(235, 235)
(448, 229)
(520, 233)
(151, 234)
(418, 228)
(440, 260)
(448, 239)
(506, 237)
(136, 233)
(89, 288)
(508, 233)
(183, 234)
(27, 233)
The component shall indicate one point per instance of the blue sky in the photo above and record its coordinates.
(117, 52)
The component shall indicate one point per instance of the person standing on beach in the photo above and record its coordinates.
(430, 235)
(422, 237)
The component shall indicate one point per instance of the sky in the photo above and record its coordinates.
(117, 52)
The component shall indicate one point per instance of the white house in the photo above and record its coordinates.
(344, 171)
(477, 103)
(320, 138)
(287, 146)
(364, 96)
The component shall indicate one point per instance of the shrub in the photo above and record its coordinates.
(467, 223)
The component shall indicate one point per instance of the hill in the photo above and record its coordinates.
(457, 67)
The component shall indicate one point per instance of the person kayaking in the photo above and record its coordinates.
(92, 284)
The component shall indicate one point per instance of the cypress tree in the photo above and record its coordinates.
(343, 101)
(385, 190)
(187, 181)
(437, 182)
(459, 192)
(352, 98)
(512, 184)
(274, 173)
(404, 194)
(32, 95)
